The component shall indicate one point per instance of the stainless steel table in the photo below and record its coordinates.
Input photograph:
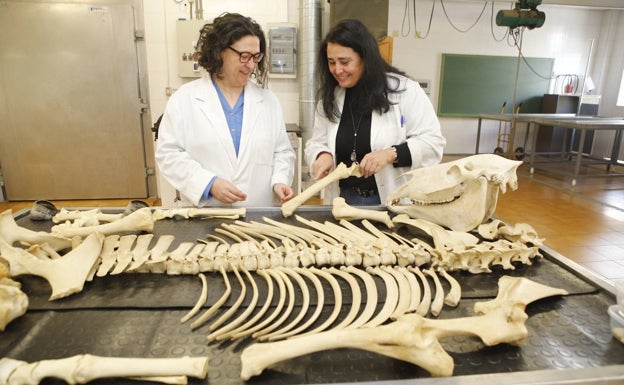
(583, 125)
(513, 119)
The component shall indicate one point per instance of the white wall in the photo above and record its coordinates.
(568, 35)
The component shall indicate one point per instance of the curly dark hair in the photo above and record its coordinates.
(354, 34)
(225, 30)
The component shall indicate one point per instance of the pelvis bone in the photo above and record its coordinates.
(460, 194)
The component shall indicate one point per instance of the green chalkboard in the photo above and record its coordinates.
(480, 84)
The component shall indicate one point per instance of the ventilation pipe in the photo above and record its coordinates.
(310, 13)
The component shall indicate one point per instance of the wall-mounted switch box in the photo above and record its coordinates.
(282, 50)
(187, 32)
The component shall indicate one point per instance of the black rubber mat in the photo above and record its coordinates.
(138, 315)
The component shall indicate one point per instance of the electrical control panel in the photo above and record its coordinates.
(283, 50)
(187, 32)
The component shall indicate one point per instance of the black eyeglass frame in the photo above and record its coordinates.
(257, 57)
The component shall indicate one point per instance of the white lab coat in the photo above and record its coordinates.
(420, 129)
(194, 145)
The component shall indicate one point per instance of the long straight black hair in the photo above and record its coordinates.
(353, 34)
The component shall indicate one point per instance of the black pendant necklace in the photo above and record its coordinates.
(356, 128)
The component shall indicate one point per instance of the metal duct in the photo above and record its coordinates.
(310, 13)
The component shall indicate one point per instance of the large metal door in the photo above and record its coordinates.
(70, 101)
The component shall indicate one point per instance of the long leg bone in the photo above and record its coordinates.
(140, 220)
(82, 369)
(342, 210)
(340, 172)
(411, 337)
(65, 275)
(94, 216)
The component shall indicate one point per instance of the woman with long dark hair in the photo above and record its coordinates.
(371, 113)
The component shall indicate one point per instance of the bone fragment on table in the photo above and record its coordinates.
(65, 275)
(123, 254)
(84, 368)
(90, 217)
(13, 301)
(425, 300)
(11, 232)
(454, 294)
(215, 307)
(438, 297)
(248, 327)
(404, 290)
(333, 282)
(371, 297)
(520, 232)
(342, 210)
(140, 220)
(277, 326)
(411, 338)
(241, 317)
(340, 172)
(203, 296)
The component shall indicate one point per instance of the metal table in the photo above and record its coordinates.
(583, 125)
(513, 119)
(139, 315)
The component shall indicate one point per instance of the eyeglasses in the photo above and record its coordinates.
(245, 57)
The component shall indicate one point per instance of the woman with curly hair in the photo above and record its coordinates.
(222, 139)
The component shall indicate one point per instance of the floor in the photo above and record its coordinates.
(584, 223)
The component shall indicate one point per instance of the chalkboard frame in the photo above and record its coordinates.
(479, 84)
